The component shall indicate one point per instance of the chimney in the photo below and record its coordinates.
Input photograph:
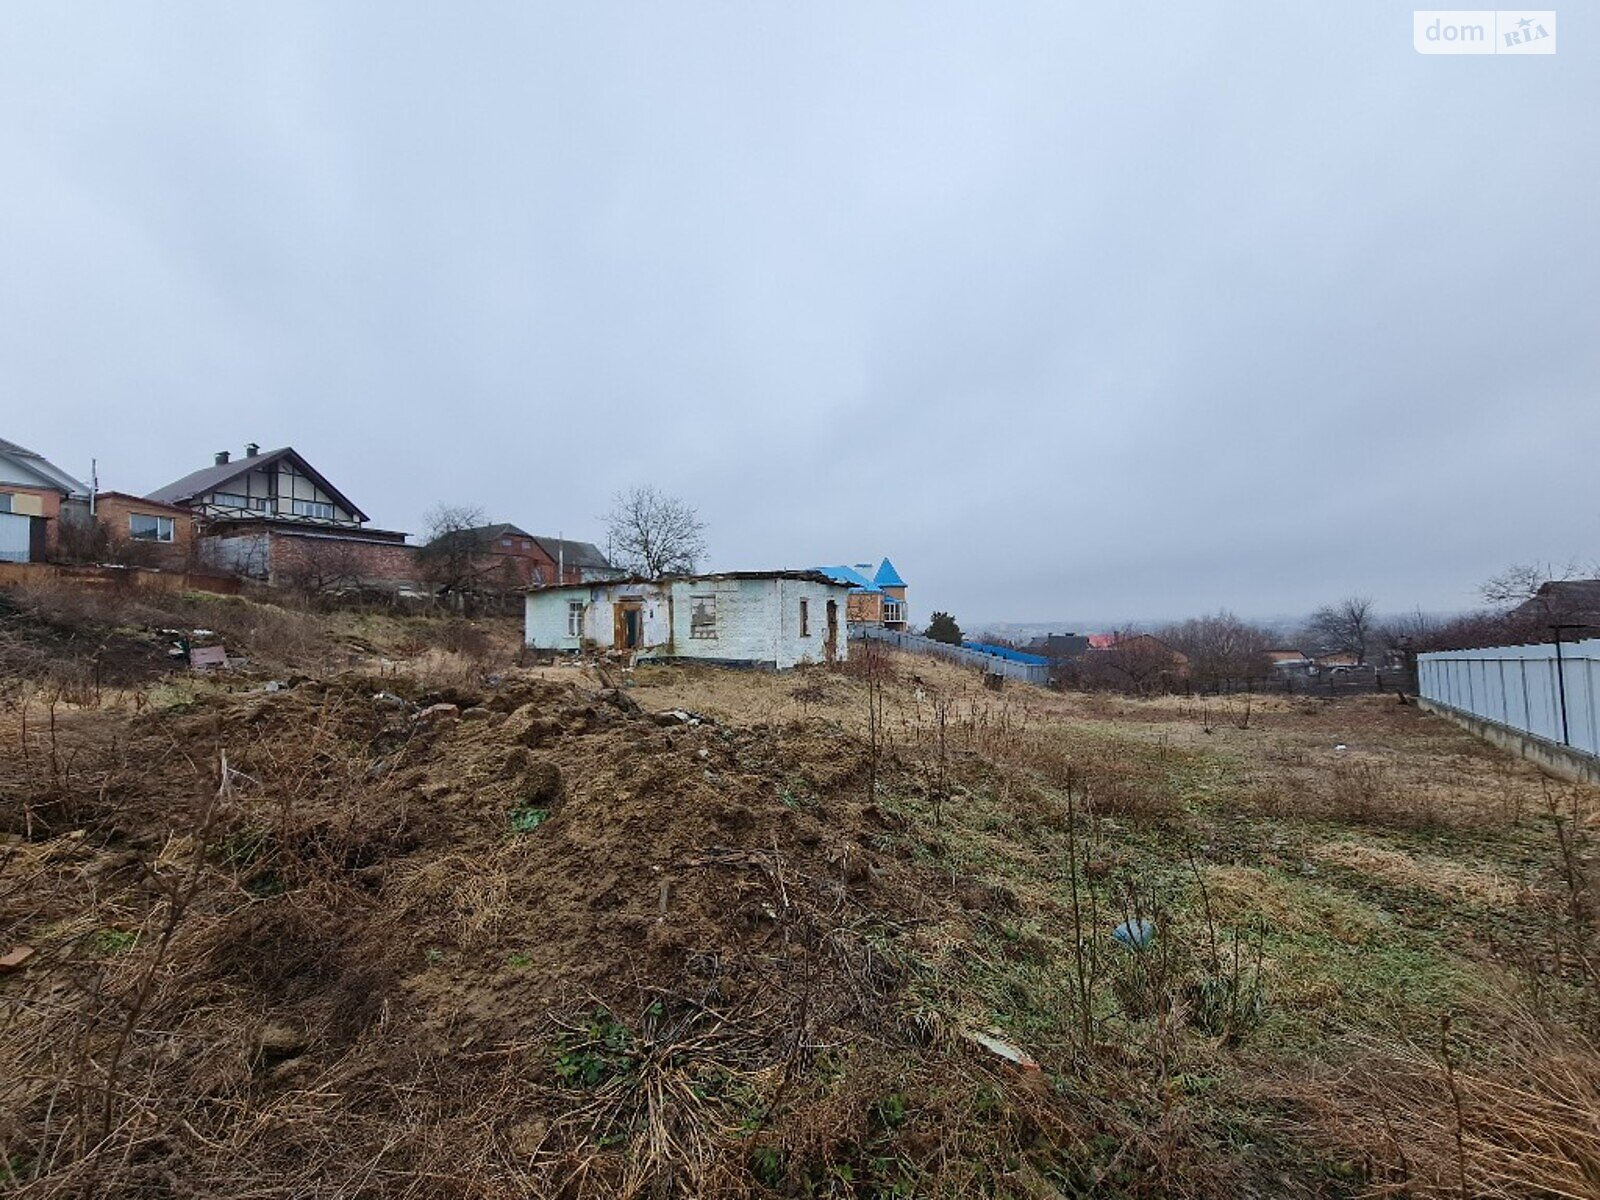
(222, 458)
(251, 449)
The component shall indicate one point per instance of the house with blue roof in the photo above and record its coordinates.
(877, 594)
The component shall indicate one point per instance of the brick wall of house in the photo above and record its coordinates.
(516, 567)
(113, 513)
(866, 607)
(537, 567)
(294, 559)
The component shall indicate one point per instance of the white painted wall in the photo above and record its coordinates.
(758, 620)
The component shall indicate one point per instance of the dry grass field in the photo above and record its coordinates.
(314, 941)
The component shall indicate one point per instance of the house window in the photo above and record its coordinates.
(702, 616)
(805, 618)
(893, 612)
(5, 502)
(313, 508)
(505, 543)
(144, 528)
(234, 500)
(574, 618)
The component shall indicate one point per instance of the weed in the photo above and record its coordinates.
(890, 1112)
(527, 819)
(602, 1050)
(243, 847)
(113, 941)
(767, 1165)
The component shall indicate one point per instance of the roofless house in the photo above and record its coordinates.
(776, 619)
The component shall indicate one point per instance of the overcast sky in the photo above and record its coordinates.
(1072, 311)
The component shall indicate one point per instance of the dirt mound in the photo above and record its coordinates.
(274, 923)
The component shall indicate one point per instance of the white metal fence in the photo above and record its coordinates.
(1522, 687)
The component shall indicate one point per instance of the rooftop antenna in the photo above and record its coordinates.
(561, 557)
(94, 482)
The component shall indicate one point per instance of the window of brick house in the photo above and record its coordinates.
(506, 542)
(574, 618)
(144, 528)
(702, 616)
(313, 508)
(805, 618)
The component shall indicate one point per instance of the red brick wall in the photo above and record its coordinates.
(111, 513)
(331, 562)
(534, 566)
(518, 567)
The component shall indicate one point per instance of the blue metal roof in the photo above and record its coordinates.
(849, 576)
(887, 576)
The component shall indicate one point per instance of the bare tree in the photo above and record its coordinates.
(1132, 662)
(1521, 582)
(1345, 627)
(452, 558)
(1221, 649)
(654, 534)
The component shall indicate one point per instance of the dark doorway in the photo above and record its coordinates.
(830, 648)
(630, 625)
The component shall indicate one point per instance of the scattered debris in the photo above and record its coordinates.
(389, 700)
(991, 1041)
(438, 712)
(1341, 746)
(15, 957)
(278, 1042)
(1135, 934)
(207, 658)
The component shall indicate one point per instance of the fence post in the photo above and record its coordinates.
(1561, 683)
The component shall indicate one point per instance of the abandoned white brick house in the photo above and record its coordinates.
(775, 619)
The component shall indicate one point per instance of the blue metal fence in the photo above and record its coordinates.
(1007, 653)
(1012, 664)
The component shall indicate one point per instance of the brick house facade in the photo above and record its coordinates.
(145, 533)
(506, 557)
(877, 595)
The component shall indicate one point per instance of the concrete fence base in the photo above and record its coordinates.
(1561, 761)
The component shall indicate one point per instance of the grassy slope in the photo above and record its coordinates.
(1336, 904)
(1321, 913)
